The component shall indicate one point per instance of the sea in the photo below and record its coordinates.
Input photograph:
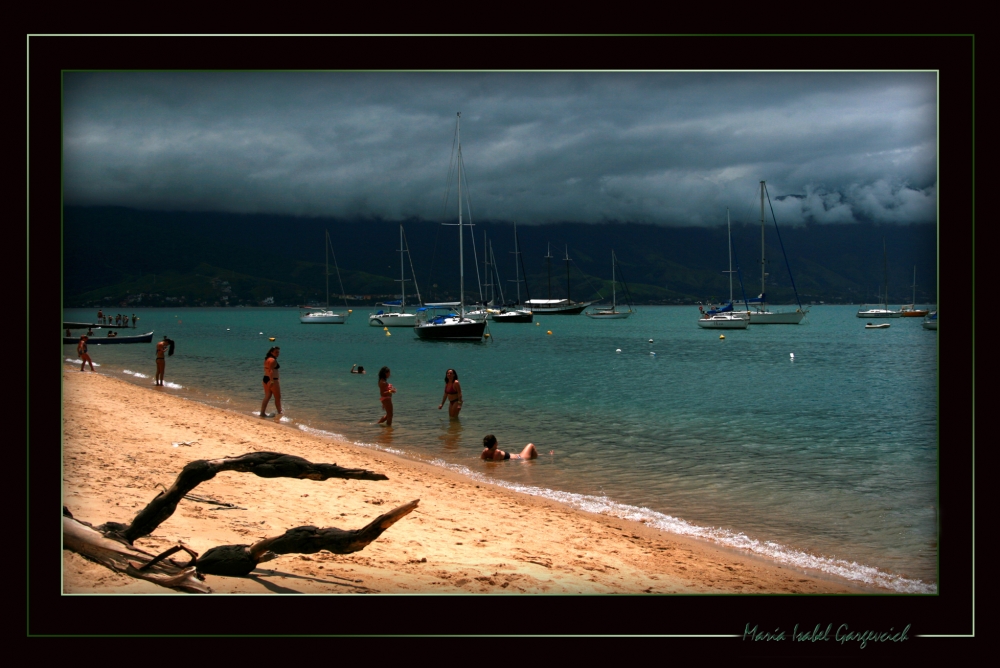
(812, 445)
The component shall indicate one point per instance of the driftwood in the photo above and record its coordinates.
(110, 543)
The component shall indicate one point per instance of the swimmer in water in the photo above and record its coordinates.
(453, 393)
(492, 453)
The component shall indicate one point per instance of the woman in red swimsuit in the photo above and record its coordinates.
(492, 453)
(385, 391)
(271, 386)
(81, 349)
(453, 393)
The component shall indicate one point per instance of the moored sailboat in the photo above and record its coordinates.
(393, 317)
(453, 326)
(613, 312)
(324, 316)
(761, 314)
(910, 310)
(557, 306)
(725, 317)
(884, 311)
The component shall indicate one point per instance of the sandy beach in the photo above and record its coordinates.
(465, 537)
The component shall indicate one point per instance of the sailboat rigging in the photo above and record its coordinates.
(884, 311)
(725, 317)
(452, 326)
(389, 316)
(910, 310)
(518, 313)
(613, 312)
(324, 316)
(558, 306)
(761, 315)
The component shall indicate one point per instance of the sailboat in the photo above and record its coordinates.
(325, 316)
(930, 322)
(452, 326)
(518, 313)
(392, 317)
(557, 306)
(613, 312)
(725, 317)
(910, 310)
(762, 315)
(884, 311)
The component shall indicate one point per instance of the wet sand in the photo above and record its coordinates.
(465, 537)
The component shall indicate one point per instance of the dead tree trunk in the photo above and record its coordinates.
(110, 544)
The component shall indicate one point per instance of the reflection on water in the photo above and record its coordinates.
(451, 435)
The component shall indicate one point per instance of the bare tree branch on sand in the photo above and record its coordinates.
(111, 543)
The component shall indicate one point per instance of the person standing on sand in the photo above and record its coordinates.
(271, 386)
(492, 453)
(453, 393)
(385, 390)
(81, 349)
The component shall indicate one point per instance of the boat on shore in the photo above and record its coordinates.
(323, 315)
(452, 326)
(884, 311)
(102, 340)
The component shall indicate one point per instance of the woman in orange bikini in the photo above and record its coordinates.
(81, 349)
(453, 393)
(492, 453)
(385, 391)
(271, 386)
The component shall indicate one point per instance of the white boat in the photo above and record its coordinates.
(515, 312)
(453, 326)
(394, 314)
(760, 314)
(930, 322)
(883, 311)
(324, 316)
(910, 310)
(557, 306)
(613, 312)
(726, 317)
(881, 325)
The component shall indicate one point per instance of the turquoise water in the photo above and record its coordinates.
(827, 460)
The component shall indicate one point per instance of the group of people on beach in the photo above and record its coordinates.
(164, 349)
(119, 319)
(452, 394)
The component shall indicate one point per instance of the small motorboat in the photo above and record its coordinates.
(881, 325)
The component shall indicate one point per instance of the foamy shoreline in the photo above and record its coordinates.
(465, 537)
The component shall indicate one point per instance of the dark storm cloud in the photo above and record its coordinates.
(666, 148)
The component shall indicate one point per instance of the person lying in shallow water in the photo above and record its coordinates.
(492, 452)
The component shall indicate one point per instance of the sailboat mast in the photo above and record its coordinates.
(729, 230)
(517, 277)
(614, 297)
(763, 262)
(914, 302)
(326, 250)
(402, 276)
(461, 254)
(569, 299)
(885, 275)
(548, 260)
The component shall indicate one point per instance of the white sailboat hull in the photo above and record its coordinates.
(723, 321)
(323, 318)
(392, 319)
(879, 313)
(772, 318)
(608, 315)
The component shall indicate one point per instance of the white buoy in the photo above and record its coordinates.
(791, 356)
(652, 353)
(227, 329)
(618, 350)
(651, 340)
(262, 332)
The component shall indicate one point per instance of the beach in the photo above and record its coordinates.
(121, 441)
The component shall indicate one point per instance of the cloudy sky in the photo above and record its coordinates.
(652, 147)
